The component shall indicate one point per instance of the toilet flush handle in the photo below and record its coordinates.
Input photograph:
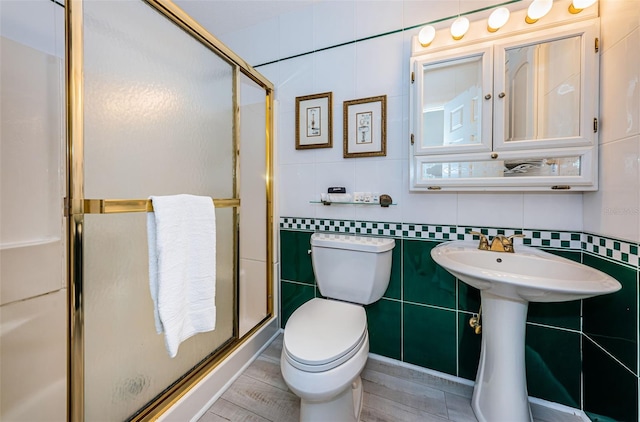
(309, 252)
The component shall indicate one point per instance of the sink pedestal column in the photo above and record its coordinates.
(500, 392)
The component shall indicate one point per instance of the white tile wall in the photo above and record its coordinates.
(295, 36)
(296, 187)
(381, 176)
(335, 71)
(341, 173)
(491, 209)
(397, 139)
(614, 209)
(376, 17)
(565, 210)
(288, 154)
(331, 155)
(620, 89)
(333, 23)
(380, 66)
(432, 208)
(296, 79)
(618, 19)
(417, 13)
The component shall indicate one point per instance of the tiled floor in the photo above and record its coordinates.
(392, 393)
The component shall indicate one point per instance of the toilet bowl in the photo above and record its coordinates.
(326, 342)
(322, 359)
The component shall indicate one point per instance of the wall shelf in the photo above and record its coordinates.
(351, 203)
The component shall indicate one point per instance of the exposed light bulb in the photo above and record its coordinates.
(537, 9)
(426, 35)
(497, 19)
(576, 6)
(459, 27)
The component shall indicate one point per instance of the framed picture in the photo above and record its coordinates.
(365, 127)
(313, 121)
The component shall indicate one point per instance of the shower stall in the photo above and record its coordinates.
(157, 106)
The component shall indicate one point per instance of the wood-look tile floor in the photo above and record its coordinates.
(392, 393)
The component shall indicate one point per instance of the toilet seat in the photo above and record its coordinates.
(322, 334)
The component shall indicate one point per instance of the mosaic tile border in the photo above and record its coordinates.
(342, 226)
(614, 249)
(617, 250)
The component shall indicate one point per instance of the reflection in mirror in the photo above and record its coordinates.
(565, 166)
(451, 113)
(543, 90)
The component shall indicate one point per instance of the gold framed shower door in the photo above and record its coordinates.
(77, 206)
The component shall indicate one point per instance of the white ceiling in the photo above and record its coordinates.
(223, 16)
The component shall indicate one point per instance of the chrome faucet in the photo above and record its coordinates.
(499, 243)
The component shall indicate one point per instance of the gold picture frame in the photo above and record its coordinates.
(314, 121)
(365, 127)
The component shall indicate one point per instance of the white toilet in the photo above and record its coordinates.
(326, 343)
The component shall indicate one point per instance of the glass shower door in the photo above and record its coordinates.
(158, 120)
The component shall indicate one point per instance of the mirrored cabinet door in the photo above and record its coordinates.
(453, 102)
(544, 89)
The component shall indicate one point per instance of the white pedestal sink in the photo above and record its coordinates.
(507, 283)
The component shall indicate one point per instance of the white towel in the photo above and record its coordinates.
(182, 266)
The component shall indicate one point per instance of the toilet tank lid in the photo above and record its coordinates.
(352, 242)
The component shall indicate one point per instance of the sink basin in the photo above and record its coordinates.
(528, 274)
(507, 283)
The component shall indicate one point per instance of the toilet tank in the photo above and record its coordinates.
(351, 268)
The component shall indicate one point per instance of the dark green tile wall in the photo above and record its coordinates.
(425, 281)
(430, 337)
(609, 389)
(560, 314)
(468, 348)
(295, 261)
(292, 295)
(394, 291)
(553, 364)
(384, 319)
(611, 320)
(423, 319)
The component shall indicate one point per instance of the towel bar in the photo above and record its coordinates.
(112, 206)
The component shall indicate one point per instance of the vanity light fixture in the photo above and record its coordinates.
(459, 27)
(426, 35)
(498, 19)
(576, 6)
(537, 9)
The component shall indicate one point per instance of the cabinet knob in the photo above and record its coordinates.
(487, 97)
(501, 95)
(494, 155)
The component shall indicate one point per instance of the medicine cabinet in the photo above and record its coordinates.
(514, 113)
